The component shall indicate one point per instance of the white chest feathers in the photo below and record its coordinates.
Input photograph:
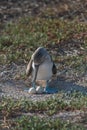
(44, 71)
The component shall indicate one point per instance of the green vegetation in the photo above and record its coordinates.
(19, 40)
(15, 114)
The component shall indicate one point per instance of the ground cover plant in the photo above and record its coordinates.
(20, 39)
(64, 34)
(42, 113)
(17, 43)
(65, 40)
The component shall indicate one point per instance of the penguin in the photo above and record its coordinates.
(41, 67)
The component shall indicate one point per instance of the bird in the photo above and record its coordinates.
(41, 67)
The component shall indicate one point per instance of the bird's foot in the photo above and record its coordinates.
(36, 90)
(32, 90)
(39, 90)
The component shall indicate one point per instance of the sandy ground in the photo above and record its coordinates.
(13, 85)
(11, 82)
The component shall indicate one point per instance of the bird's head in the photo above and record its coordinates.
(39, 55)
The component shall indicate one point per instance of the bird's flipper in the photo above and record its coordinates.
(54, 69)
(35, 73)
(29, 68)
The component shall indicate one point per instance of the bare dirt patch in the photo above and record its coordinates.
(12, 83)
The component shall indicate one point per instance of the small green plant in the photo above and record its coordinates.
(16, 112)
(19, 40)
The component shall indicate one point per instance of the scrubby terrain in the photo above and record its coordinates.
(61, 27)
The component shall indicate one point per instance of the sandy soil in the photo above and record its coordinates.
(11, 82)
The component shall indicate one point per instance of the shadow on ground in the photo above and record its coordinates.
(16, 89)
(68, 86)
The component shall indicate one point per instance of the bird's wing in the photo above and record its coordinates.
(29, 68)
(54, 69)
(35, 73)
